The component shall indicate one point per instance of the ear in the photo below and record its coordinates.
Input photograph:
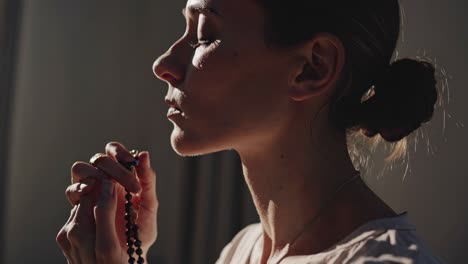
(318, 70)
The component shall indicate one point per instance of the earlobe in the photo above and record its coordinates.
(321, 64)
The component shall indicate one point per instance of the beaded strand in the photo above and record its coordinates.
(131, 228)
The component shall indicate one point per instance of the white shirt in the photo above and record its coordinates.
(386, 240)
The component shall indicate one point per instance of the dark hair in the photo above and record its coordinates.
(373, 96)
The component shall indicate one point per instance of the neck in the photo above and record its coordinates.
(291, 175)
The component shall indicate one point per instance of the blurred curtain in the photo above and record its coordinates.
(9, 20)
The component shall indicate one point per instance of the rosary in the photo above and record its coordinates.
(131, 228)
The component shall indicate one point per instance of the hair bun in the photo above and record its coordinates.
(405, 96)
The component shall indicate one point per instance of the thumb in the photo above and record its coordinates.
(104, 213)
(147, 177)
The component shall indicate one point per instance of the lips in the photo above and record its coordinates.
(172, 103)
(172, 111)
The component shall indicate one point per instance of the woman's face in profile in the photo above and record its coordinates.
(229, 85)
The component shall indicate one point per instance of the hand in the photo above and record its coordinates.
(95, 231)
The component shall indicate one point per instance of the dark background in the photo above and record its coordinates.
(77, 74)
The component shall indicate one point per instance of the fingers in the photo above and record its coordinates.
(147, 177)
(104, 166)
(107, 241)
(84, 219)
(117, 171)
(62, 239)
(81, 231)
(77, 237)
(146, 201)
(80, 171)
(118, 152)
(75, 191)
(90, 235)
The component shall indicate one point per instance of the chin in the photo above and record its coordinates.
(190, 146)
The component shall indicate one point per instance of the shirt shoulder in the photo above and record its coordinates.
(386, 240)
(240, 247)
(391, 246)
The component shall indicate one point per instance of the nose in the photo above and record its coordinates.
(169, 67)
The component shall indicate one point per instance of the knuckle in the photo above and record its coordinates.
(73, 189)
(74, 234)
(72, 194)
(68, 191)
(153, 207)
(61, 239)
(117, 151)
(77, 167)
(113, 145)
(98, 157)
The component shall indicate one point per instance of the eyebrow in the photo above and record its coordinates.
(203, 8)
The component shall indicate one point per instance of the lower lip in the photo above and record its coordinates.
(172, 112)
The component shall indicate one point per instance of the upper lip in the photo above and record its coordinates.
(172, 102)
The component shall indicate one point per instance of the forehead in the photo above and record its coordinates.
(228, 9)
(216, 4)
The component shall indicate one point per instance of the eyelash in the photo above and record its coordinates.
(200, 43)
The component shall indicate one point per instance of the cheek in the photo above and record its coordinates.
(213, 79)
(207, 55)
(234, 89)
(261, 85)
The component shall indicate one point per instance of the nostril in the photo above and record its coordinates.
(167, 69)
(163, 72)
(166, 76)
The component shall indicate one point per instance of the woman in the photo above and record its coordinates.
(283, 84)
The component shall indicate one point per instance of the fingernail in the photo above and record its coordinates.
(108, 187)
